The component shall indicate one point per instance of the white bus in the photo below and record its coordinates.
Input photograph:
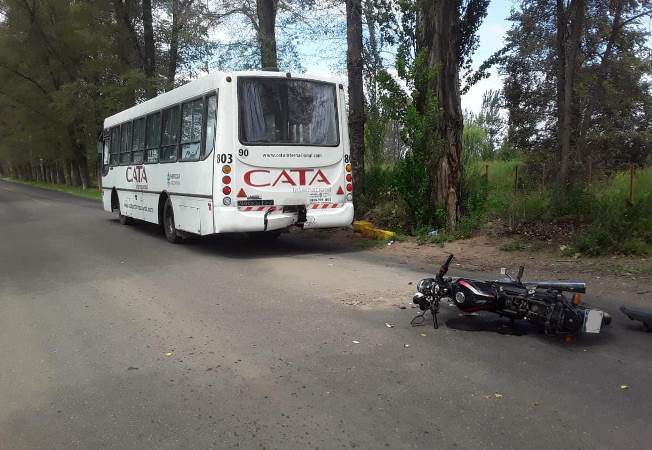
(232, 152)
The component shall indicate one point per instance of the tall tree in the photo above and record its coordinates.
(577, 84)
(354, 65)
(149, 54)
(266, 12)
(570, 28)
(490, 119)
(446, 38)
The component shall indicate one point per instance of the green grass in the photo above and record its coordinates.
(92, 192)
(606, 221)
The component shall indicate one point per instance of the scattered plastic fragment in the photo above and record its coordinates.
(433, 233)
(423, 334)
(168, 354)
(356, 342)
(406, 345)
(390, 243)
(497, 395)
(624, 387)
(389, 325)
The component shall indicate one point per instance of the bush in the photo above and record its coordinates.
(613, 224)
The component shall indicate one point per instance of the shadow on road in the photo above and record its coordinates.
(243, 246)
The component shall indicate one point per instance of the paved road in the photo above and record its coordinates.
(259, 338)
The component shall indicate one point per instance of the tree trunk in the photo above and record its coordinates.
(74, 174)
(173, 53)
(60, 176)
(373, 59)
(570, 26)
(437, 35)
(595, 96)
(356, 92)
(266, 12)
(122, 12)
(82, 165)
(67, 177)
(149, 55)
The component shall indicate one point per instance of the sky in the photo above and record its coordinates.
(319, 61)
(492, 34)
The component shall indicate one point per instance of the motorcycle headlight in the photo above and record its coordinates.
(427, 286)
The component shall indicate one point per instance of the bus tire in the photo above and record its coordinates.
(168, 223)
(124, 220)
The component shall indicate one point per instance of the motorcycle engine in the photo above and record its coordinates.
(541, 308)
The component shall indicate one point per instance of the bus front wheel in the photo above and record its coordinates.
(124, 220)
(168, 223)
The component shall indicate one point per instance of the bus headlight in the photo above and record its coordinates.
(226, 201)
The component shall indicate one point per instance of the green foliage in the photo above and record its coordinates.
(612, 89)
(614, 224)
(78, 191)
(475, 146)
(607, 222)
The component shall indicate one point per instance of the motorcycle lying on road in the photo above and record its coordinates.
(546, 304)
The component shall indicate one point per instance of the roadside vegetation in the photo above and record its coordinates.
(91, 192)
(595, 219)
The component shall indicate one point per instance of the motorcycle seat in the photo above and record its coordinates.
(567, 286)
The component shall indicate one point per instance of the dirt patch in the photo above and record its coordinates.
(617, 279)
(490, 253)
(378, 298)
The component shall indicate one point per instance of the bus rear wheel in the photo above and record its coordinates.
(168, 223)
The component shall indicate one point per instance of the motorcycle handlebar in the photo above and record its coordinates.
(444, 268)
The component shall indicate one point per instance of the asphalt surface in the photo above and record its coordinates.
(110, 337)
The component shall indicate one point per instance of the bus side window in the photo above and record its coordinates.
(138, 144)
(125, 143)
(191, 123)
(115, 146)
(169, 134)
(153, 136)
(210, 125)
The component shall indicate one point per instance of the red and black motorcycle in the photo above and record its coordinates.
(555, 306)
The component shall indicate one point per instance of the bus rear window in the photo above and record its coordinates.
(280, 111)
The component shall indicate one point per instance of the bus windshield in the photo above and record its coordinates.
(282, 111)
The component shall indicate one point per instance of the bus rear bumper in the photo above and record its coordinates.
(329, 218)
(231, 219)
